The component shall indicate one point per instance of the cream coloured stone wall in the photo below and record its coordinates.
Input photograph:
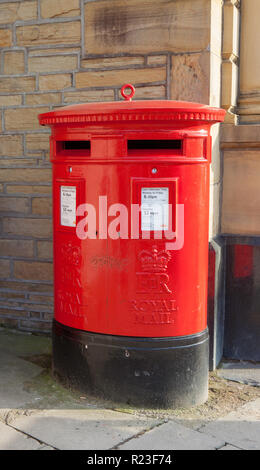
(55, 53)
(249, 93)
(240, 139)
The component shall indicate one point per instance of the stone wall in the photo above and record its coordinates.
(55, 53)
(241, 180)
(240, 144)
(240, 140)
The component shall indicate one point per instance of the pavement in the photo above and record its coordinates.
(37, 413)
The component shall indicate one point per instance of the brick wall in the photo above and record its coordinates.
(55, 53)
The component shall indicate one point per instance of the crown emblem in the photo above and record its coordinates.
(154, 260)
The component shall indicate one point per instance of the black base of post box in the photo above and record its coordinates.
(147, 372)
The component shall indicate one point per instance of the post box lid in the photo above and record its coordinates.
(128, 110)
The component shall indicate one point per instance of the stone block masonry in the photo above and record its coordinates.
(55, 53)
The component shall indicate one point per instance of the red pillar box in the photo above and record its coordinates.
(131, 209)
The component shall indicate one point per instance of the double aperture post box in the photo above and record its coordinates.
(131, 215)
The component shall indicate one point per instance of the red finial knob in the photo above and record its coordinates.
(128, 96)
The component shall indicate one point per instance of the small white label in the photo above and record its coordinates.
(68, 206)
(154, 209)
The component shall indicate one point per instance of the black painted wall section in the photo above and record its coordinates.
(242, 310)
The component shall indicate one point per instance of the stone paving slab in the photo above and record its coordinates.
(239, 428)
(57, 418)
(13, 373)
(229, 447)
(46, 448)
(23, 343)
(10, 439)
(173, 436)
(242, 372)
(26, 385)
(82, 429)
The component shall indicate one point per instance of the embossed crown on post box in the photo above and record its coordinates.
(154, 260)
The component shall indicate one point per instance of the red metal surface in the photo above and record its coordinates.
(132, 287)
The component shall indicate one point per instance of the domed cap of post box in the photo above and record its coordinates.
(128, 110)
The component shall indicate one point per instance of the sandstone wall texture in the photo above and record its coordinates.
(55, 53)
(240, 137)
